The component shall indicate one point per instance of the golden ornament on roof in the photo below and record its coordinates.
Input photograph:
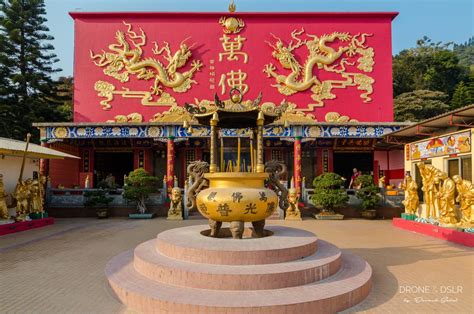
(232, 6)
(231, 25)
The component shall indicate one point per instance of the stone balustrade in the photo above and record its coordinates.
(65, 198)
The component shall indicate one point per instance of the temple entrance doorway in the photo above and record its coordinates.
(344, 162)
(110, 167)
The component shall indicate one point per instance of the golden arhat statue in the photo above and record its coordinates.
(236, 193)
(3, 203)
(412, 201)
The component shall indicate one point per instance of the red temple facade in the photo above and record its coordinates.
(133, 72)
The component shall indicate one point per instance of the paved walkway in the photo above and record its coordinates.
(60, 268)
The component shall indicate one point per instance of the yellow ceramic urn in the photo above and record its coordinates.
(236, 196)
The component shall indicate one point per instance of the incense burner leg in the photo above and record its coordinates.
(237, 229)
(215, 227)
(258, 228)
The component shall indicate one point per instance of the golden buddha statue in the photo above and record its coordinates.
(466, 201)
(293, 212)
(31, 195)
(22, 196)
(446, 196)
(43, 180)
(428, 174)
(175, 211)
(411, 201)
(3, 200)
(36, 201)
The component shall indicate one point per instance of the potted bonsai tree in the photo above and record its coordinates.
(369, 195)
(100, 200)
(138, 186)
(329, 193)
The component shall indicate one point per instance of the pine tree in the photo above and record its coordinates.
(419, 105)
(65, 90)
(6, 90)
(461, 96)
(29, 59)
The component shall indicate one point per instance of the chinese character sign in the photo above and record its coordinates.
(146, 63)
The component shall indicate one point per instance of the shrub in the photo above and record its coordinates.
(368, 191)
(138, 185)
(329, 192)
(97, 198)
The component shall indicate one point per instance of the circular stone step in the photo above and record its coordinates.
(345, 289)
(188, 244)
(151, 264)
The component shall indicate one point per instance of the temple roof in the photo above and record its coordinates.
(458, 119)
(234, 112)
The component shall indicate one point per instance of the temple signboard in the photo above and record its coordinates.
(131, 66)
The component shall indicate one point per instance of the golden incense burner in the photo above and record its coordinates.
(233, 194)
(237, 197)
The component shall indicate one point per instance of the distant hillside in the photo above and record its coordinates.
(465, 52)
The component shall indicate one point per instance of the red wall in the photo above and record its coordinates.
(65, 171)
(391, 163)
(96, 31)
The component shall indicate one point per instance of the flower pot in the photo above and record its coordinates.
(328, 215)
(141, 216)
(102, 213)
(369, 213)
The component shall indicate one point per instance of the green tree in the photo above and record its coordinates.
(461, 96)
(428, 66)
(28, 55)
(368, 192)
(6, 91)
(138, 185)
(419, 105)
(98, 199)
(470, 84)
(465, 52)
(65, 90)
(329, 191)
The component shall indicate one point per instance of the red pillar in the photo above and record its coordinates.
(387, 176)
(170, 164)
(44, 163)
(297, 165)
(148, 160)
(376, 172)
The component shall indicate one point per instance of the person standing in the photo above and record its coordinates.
(355, 175)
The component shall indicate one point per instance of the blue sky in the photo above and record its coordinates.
(441, 20)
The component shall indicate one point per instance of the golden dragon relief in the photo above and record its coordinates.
(125, 59)
(322, 56)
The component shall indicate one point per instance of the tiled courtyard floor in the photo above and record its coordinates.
(60, 268)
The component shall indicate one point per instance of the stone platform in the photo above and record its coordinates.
(25, 225)
(289, 271)
(440, 232)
